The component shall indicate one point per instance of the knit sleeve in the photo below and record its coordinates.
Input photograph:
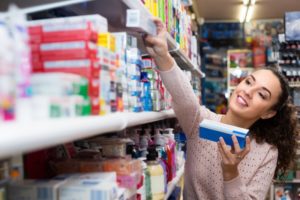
(184, 102)
(258, 186)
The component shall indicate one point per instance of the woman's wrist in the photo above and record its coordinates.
(230, 174)
(164, 62)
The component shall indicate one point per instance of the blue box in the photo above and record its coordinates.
(213, 130)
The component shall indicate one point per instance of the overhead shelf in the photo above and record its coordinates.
(115, 11)
(18, 138)
(28, 7)
(182, 60)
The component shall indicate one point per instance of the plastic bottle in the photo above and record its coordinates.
(144, 145)
(159, 142)
(170, 146)
(156, 175)
(144, 187)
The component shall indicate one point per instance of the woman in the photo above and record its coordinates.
(214, 171)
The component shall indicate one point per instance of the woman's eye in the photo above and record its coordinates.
(262, 95)
(248, 82)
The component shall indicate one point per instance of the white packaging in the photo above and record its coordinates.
(99, 22)
(141, 23)
(89, 187)
(34, 190)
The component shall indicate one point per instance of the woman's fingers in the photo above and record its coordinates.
(224, 157)
(224, 148)
(246, 150)
(235, 153)
(236, 145)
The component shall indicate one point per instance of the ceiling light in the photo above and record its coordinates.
(243, 13)
(246, 2)
(247, 10)
(250, 13)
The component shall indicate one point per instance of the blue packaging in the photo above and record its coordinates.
(213, 130)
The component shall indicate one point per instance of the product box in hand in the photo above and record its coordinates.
(213, 130)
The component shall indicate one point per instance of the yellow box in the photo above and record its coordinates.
(107, 40)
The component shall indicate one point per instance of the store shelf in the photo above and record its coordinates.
(249, 69)
(115, 11)
(28, 7)
(294, 85)
(216, 79)
(18, 138)
(296, 181)
(215, 67)
(182, 60)
(173, 183)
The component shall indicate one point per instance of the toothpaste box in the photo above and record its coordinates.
(213, 130)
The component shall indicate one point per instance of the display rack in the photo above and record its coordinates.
(215, 84)
(18, 138)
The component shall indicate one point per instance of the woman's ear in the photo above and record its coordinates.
(269, 114)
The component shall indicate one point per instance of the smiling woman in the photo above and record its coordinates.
(260, 103)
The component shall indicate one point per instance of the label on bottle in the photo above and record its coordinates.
(157, 184)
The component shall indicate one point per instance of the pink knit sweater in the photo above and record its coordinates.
(203, 173)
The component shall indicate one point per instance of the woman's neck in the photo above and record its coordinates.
(232, 119)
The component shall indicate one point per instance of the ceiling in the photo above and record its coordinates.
(229, 10)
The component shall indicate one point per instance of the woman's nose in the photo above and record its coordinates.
(249, 91)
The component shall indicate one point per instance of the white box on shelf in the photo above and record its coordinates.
(136, 19)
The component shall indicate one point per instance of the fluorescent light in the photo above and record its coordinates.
(246, 2)
(243, 13)
(247, 10)
(250, 13)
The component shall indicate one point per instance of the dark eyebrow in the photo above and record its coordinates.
(264, 88)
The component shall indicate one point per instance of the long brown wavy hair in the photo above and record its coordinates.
(280, 130)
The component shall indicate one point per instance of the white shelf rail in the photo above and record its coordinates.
(22, 137)
(173, 183)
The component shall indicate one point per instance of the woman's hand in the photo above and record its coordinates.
(232, 157)
(157, 47)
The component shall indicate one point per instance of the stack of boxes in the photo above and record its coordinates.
(69, 45)
(106, 49)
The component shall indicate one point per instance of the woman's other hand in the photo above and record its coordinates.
(157, 47)
(231, 157)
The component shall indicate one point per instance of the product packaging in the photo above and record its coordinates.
(213, 130)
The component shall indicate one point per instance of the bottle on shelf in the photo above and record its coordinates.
(156, 175)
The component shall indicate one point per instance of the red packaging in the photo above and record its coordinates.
(61, 33)
(70, 54)
(83, 67)
(259, 57)
(95, 105)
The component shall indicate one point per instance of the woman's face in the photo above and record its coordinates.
(254, 97)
